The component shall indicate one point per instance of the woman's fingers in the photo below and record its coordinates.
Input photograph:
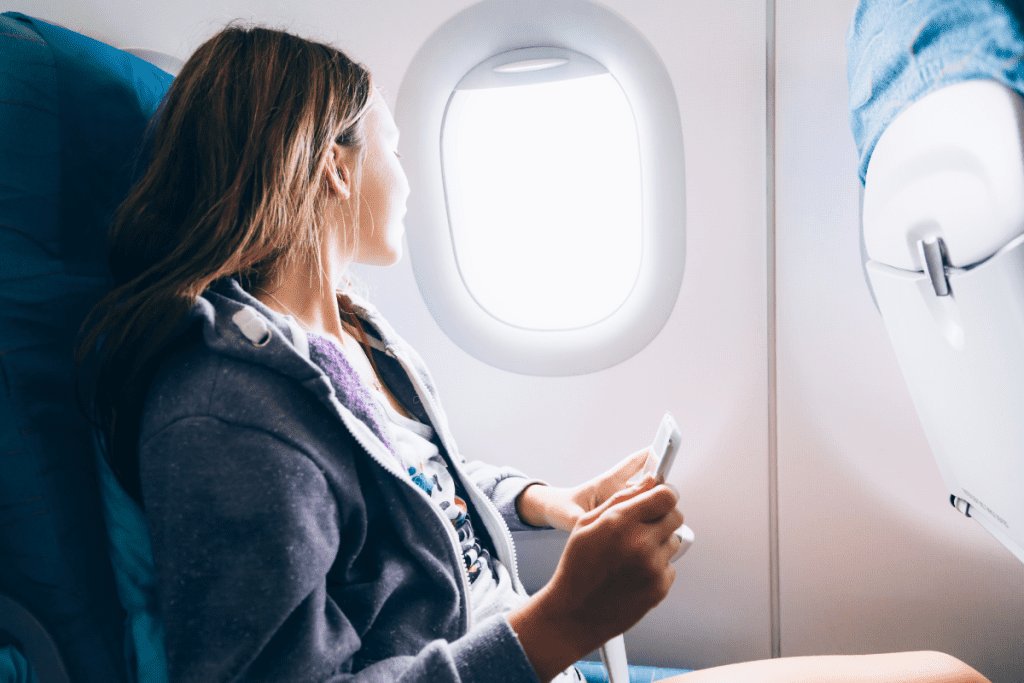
(672, 542)
(598, 490)
(644, 503)
(650, 503)
(671, 521)
(662, 540)
(628, 467)
(626, 473)
(616, 498)
(616, 563)
(647, 515)
(653, 515)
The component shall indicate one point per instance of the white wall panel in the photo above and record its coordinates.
(873, 557)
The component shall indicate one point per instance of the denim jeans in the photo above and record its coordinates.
(900, 50)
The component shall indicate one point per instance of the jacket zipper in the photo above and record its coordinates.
(481, 501)
(505, 545)
(365, 437)
(357, 433)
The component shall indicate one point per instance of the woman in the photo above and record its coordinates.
(310, 515)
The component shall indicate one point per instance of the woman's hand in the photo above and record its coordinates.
(560, 508)
(616, 566)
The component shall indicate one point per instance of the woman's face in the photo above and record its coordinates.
(383, 192)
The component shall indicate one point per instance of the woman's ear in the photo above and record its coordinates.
(338, 171)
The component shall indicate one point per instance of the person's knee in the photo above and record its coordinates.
(946, 668)
(921, 666)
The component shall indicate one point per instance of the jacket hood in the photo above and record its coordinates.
(236, 324)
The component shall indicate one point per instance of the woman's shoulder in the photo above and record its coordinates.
(194, 381)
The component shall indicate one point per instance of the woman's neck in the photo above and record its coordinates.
(313, 304)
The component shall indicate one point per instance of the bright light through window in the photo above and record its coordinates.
(544, 200)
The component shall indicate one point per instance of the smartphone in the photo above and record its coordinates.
(663, 451)
(666, 443)
(663, 455)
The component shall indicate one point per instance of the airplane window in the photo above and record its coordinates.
(542, 181)
(546, 223)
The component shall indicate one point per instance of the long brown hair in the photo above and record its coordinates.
(234, 187)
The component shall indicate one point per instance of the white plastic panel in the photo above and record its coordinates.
(968, 387)
(949, 166)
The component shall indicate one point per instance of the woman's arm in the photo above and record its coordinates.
(245, 530)
(530, 503)
(504, 487)
(561, 507)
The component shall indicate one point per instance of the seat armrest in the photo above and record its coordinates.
(19, 626)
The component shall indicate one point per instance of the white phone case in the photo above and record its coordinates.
(666, 443)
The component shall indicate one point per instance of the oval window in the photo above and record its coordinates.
(541, 167)
(546, 223)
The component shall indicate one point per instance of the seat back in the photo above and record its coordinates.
(73, 113)
(944, 235)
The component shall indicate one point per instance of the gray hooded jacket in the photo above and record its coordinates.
(289, 545)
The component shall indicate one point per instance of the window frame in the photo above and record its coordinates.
(482, 32)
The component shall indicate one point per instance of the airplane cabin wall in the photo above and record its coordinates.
(872, 557)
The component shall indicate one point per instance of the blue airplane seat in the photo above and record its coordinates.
(73, 113)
